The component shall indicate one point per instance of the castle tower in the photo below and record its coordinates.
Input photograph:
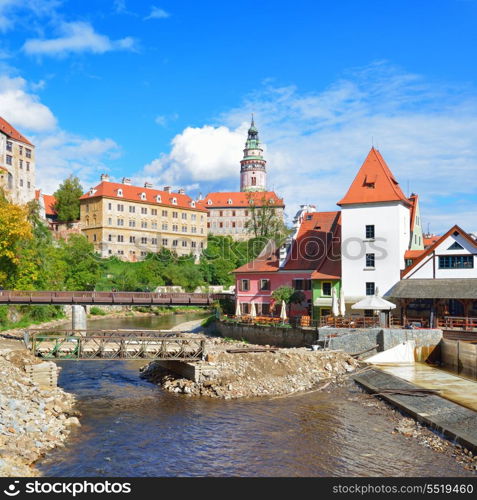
(253, 171)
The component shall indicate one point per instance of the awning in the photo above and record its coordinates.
(457, 288)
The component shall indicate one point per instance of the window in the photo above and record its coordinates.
(132, 223)
(9, 160)
(120, 238)
(175, 227)
(154, 241)
(120, 252)
(164, 241)
(28, 152)
(158, 198)
(254, 181)
(245, 308)
(229, 201)
(110, 237)
(456, 246)
(28, 166)
(143, 196)
(132, 209)
(21, 182)
(456, 262)
(20, 149)
(184, 229)
(154, 225)
(175, 243)
(221, 224)
(233, 213)
(265, 284)
(175, 215)
(120, 208)
(144, 241)
(132, 239)
(184, 216)
(120, 222)
(164, 213)
(28, 184)
(221, 213)
(193, 244)
(164, 226)
(370, 259)
(153, 211)
(20, 162)
(94, 237)
(370, 232)
(244, 285)
(246, 213)
(143, 210)
(184, 243)
(193, 217)
(174, 201)
(370, 288)
(110, 206)
(144, 224)
(326, 289)
(9, 146)
(301, 284)
(120, 192)
(233, 224)
(110, 221)
(265, 309)
(193, 229)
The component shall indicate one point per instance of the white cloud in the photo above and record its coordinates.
(77, 37)
(157, 13)
(164, 120)
(14, 11)
(317, 141)
(23, 108)
(58, 152)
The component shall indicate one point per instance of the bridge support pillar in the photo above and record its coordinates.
(78, 317)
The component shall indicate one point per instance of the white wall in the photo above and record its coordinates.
(425, 269)
(392, 233)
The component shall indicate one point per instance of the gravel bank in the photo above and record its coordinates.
(33, 419)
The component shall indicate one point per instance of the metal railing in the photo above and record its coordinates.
(120, 298)
(114, 345)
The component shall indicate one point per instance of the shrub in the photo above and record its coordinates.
(97, 311)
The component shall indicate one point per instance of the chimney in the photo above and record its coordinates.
(104, 177)
(148, 185)
(199, 197)
(167, 189)
(181, 191)
(126, 181)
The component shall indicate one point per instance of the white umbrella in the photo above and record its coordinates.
(334, 303)
(375, 303)
(253, 312)
(238, 311)
(342, 303)
(283, 312)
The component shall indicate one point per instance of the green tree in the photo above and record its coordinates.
(67, 196)
(289, 295)
(265, 219)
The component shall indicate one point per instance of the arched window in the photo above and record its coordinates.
(174, 201)
(120, 192)
(192, 203)
(143, 196)
(158, 198)
(209, 202)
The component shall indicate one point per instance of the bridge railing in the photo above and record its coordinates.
(123, 298)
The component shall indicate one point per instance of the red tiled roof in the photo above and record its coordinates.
(239, 199)
(428, 251)
(133, 193)
(6, 128)
(316, 247)
(374, 183)
(413, 254)
(430, 241)
(50, 202)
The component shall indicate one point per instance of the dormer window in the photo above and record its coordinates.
(271, 201)
(209, 202)
(174, 201)
(143, 196)
(229, 201)
(192, 203)
(158, 198)
(120, 192)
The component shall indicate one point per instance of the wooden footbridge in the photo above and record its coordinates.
(114, 345)
(110, 298)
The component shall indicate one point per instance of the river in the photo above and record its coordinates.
(133, 428)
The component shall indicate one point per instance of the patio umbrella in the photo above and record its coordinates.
(283, 312)
(334, 303)
(375, 303)
(342, 304)
(238, 311)
(253, 312)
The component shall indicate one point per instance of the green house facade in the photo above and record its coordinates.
(322, 291)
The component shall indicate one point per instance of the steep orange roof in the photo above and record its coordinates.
(7, 129)
(49, 201)
(413, 254)
(239, 199)
(133, 193)
(316, 247)
(430, 240)
(374, 183)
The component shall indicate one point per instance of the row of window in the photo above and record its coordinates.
(20, 149)
(221, 225)
(228, 213)
(264, 284)
(157, 198)
(154, 211)
(9, 160)
(456, 262)
(153, 241)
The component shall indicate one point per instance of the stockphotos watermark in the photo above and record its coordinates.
(70, 488)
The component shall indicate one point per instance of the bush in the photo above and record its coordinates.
(97, 311)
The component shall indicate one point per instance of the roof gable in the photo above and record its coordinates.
(374, 183)
(12, 132)
(441, 247)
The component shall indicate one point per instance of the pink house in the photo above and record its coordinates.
(290, 265)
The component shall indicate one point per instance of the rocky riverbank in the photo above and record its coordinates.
(33, 418)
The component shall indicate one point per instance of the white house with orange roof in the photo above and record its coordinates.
(376, 230)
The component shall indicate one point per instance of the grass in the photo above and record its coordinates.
(208, 321)
(29, 315)
(97, 311)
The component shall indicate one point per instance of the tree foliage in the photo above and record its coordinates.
(67, 196)
(265, 220)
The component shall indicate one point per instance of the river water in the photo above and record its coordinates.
(133, 428)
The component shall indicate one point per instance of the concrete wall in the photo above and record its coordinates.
(263, 335)
(459, 357)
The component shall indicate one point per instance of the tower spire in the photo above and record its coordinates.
(253, 173)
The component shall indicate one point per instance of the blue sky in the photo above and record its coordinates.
(163, 91)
